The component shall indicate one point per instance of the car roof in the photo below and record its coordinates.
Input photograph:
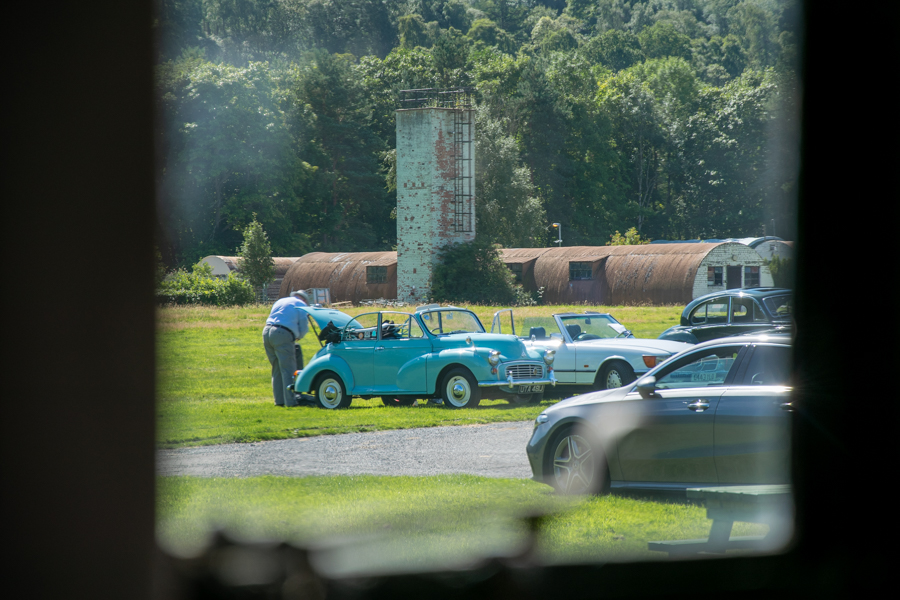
(431, 307)
(762, 292)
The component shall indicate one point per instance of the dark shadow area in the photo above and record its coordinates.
(78, 443)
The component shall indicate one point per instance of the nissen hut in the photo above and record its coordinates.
(352, 276)
(647, 274)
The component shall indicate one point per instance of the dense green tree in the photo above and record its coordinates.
(615, 49)
(555, 34)
(507, 208)
(413, 32)
(639, 134)
(446, 13)
(757, 31)
(450, 56)
(358, 27)
(402, 69)
(227, 153)
(724, 148)
(347, 199)
(602, 15)
(662, 39)
(256, 264)
(490, 34)
(177, 26)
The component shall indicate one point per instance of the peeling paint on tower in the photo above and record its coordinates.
(435, 191)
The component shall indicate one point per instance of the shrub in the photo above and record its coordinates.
(474, 273)
(782, 270)
(200, 287)
(631, 238)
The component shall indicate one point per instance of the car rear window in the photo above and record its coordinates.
(781, 307)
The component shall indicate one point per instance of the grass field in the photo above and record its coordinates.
(411, 523)
(214, 380)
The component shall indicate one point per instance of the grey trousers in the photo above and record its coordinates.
(279, 345)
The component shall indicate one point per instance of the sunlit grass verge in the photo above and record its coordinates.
(370, 523)
(214, 383)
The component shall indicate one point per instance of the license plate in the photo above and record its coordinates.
(530, 389)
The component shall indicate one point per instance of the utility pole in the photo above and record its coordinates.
(558, 229)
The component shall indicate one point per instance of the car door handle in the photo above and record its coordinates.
(698, 405)
(787, 406)
(378, 348)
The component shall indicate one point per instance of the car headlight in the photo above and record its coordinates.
(549, 355)
(494, 358)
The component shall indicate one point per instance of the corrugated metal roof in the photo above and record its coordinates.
(282, 263)
(652, 274)
(344, 273)
(511, 256)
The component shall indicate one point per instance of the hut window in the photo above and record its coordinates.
(751, 276)
(376, 275)
(714, 276)
(579, 271)
(516, 269)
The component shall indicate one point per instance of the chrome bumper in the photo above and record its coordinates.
(510, 382)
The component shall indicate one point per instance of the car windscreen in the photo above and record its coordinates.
(593, 327)
(443, 322)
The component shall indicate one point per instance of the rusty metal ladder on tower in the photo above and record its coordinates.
(464, 178)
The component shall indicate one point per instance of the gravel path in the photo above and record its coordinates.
(493, 450)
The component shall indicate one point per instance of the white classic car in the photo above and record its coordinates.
(593, 350)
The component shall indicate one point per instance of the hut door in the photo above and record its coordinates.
(733, 277)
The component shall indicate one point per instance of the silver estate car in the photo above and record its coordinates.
(716, 414)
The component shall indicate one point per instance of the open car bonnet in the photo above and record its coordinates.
(323, 316)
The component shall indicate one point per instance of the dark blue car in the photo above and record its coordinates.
(733, 312)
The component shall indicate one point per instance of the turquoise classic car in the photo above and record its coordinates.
(435, 352)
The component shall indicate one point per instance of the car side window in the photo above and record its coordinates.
(714, 311)
(769, 365)
(702, 369)
(414, 330)
(746, 310)
(362, 328)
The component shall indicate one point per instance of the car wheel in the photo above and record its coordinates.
(615, 374)
(460, 390)
(402, 401)
(330, 392)
(577, 465)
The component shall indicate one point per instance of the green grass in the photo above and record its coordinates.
(214, 380)
(386, 523)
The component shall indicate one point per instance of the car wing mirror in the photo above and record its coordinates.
(646, 387)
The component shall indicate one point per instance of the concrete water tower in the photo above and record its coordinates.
(435, 183)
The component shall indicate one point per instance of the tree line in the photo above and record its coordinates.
(675, 118)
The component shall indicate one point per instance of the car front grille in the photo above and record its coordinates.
(525, 372)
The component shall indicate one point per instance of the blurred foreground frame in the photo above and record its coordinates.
(78, 458)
